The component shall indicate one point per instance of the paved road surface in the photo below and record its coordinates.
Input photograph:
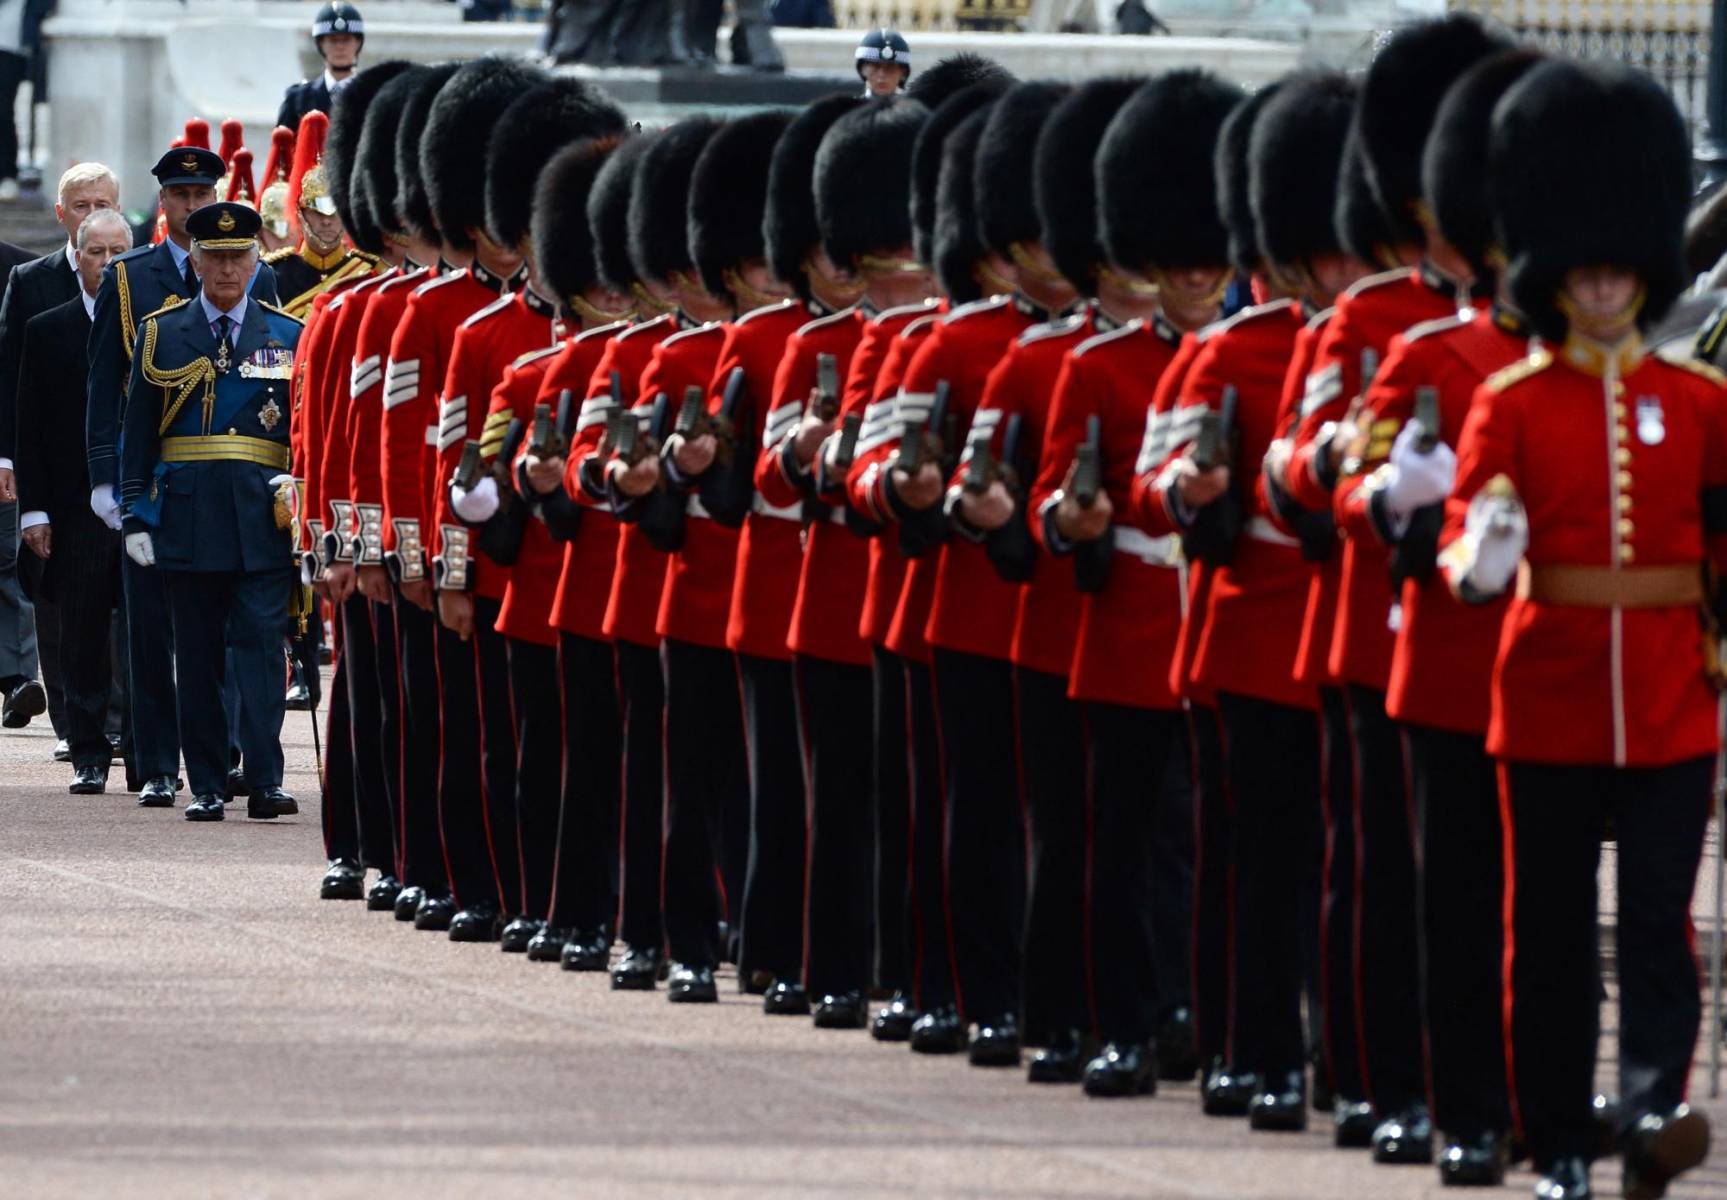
(181, 1016)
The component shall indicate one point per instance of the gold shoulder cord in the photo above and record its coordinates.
(125, 291)
(183, 380)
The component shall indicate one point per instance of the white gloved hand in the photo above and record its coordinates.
(1498, 529)
(478, 505)
(103, 505)
(1276, 461)
(140, 549)
(1418, 479)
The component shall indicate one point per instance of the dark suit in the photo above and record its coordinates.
(17, 632)
(81, 576)
(309, 95)
(228, 568)
(151, 278)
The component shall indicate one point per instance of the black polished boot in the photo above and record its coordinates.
(893, 1022)
(1662, 1147)
(1280, 1106)
(638, 970)
(1122, 1070)
(1177, 1055)
(345, 880)
(590, 951)
(1063, 1060)
(1227, 1092)
(517, 934)
(753, 983)
(1352, 1124)
(476, 923)
(435, 914)
(845, 1010)
(1608, 1115)
(939, 1031)
(1564, 1179)
(786, 999)
(996, 1043)
(691, 985)
(382, 895)
(408, 902)
(548, 944)
(157, 793)
(1404, 1137)
(1477, 1160)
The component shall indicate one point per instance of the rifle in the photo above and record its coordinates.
(623, 435)
(1427, 418)
(827, 404)
(1088, 464)
(728, 488)
(1011, 550)
(1211, 536)
(661, 511)
(924, 439)
(467, 472)
(1211, 444)
(1416, 554)
(980, 470)
(500, 536)
(846, 451)
(692, 419)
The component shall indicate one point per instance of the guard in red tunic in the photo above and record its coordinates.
(419, 413)
(1443, 657)
(1591, 484)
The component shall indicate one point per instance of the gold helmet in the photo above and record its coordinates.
(309, 186)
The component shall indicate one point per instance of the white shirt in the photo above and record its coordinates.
(237, 314)
(72, 257)
(36, 516)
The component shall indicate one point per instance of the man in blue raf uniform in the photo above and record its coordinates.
(209, 503)
(139, 282)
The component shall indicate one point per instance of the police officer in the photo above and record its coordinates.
(339, 34)
(883, 62)
(202, 485)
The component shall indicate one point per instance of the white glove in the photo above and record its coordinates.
(1418, 479)
(103, 505)
(478, 505)
(1498, 530)
(1276, 461)
(140, 549)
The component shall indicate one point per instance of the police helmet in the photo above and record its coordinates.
(883, 46)
(336, 17)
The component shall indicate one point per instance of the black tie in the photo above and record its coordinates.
(191, 279)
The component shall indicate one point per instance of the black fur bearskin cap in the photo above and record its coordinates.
(462, 123)
(609, 213)
(863, 180)
(563, 241)
(789, 228)
(1064, 181)
(729, 194)
(341, 149)
(1295, 157)
(1003, 187)
(535, 126)
(660, 199)
(411, 196)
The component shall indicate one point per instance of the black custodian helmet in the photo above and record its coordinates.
(338, 18)
(883, 46)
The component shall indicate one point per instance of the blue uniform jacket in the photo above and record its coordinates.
(217, 513)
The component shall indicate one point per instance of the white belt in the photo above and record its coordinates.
(1261, 529)
(760, 507)
(1156, 551)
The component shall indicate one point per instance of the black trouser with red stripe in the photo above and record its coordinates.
(381, 691)
(931, 951)
(773, 902)
(1340, 1020)
(1462, 923)
(422, 863)
(497, 733)
(1387, 925)
(362, 825)
(1127, 754)
(1172, 852)
(461, 805)
(833, 703)
(1055, 1001)
(985, 858)
(539, 748)
(891, 775)
(1271, 756)
(1555, 819)
(642, 696)
(340, 804)
(706, 775)
(1213, 910)
(585, 878)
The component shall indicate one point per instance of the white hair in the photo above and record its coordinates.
(101, 216)
(79, 174)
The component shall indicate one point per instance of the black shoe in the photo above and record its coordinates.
(547, 945)
(754, 983)
(894, 1020)
(157, 793)
(1608, 1116)
(268, 803)
(236, 785)
(476, 923)
(345, 880)
(1227, 1092)
(62, 751)
(1062, 1061)
(1565, 1179)
(382, 896)
(23, 702)
(995, 1044)
(1660, 1148)
(786, 999)
(435, 914)
(691, 985)
(518, 933)
(1476, 1161)
(298, 699)
(1177, 1055)
(205, 808)
(1281, 1105)
(1352, 1124)
(638, 971)
(115, 753)
(1321, 1095)
(847, 1010)
(88, 781)
(590, 951)
(939, 1031)
(1404, 1137)
(408, 902)
(1122, 1070)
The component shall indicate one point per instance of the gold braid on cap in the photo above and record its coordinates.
(1034, 270)
(647, 302)
(754, 297)
(183, 381)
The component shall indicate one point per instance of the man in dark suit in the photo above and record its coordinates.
(338, 33)
(80, 574)
(135, 285)
(36, 285)
(210, 505)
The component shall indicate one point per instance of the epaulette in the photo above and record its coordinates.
(1060, 327)
(1382, 279)
(1321, 317)
(903, 310)
(1245, 316)
(613, 329)
(439, 282)
(535, 355)
(370, 259)
(633, 330)
(496, 306)
(1438, 325)
(275, 256)
(764, 309)
(987, 304)
(682, 334)
(281, 312)
(1697, 367)
(1538, 361)
(815, 323)
(921, 326)
(172, 302)
(1113, 335)
(407, 279)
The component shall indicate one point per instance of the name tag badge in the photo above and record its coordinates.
(1651, 423)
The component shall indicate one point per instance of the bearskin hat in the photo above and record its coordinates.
(957, 241)
(530, 130)
(1157, 191)
(375, 188)
(729, 192)
(1229, 161)
(1294, 155)
(1065, 186)
(926, 157)
(1589, 164)
(660, 199)
(347, 121)
(1361, 224)
(1401, 92)
(1454, 164)
(863, 179)
(464, 120)
(609, 213)
(412, 201)
(789, 229)
(1003, 188)
(562, 240)
(934, 85)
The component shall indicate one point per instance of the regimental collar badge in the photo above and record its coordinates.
(269, 415)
